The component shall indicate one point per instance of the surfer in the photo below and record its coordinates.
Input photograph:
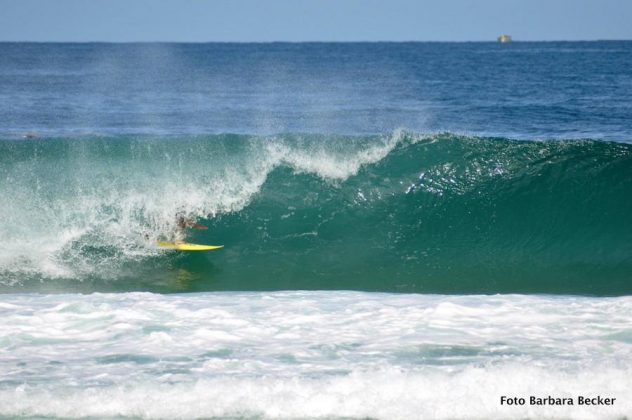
(182, 223)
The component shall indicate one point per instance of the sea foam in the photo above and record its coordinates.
(311, 354)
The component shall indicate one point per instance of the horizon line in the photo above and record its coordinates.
(312, 42)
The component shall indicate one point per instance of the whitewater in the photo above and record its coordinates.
(311, 354)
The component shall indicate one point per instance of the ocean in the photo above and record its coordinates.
(411, 230)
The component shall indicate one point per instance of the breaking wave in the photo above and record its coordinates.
(404, 212)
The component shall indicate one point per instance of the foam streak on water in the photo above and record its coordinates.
(311, 354)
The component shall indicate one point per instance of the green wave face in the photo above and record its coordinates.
(407, 212)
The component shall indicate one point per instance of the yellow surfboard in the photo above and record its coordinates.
(184, 246)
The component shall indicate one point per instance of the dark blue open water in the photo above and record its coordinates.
(526, 90)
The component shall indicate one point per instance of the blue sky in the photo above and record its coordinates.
(312, 20)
